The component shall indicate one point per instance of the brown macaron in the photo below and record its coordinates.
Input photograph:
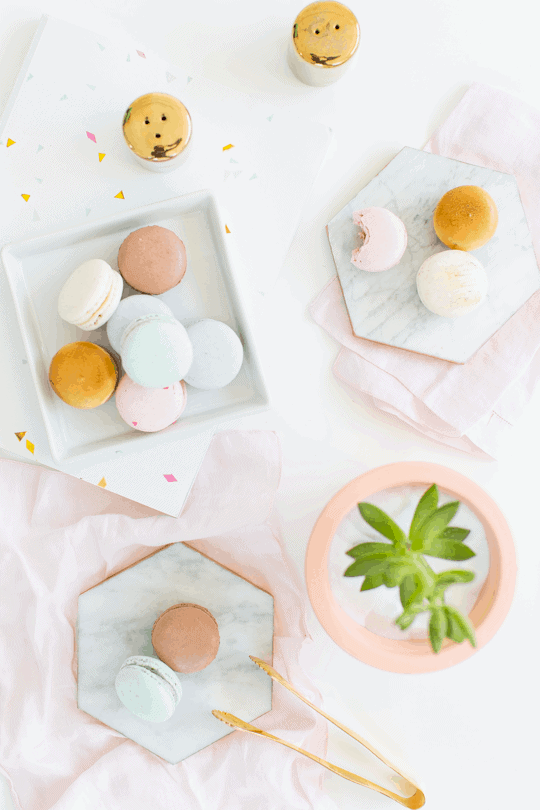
(465, 218)
(186, 637)
(152, 260)
(83, 375)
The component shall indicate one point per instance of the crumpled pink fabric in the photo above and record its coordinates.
(60, 536)
(470, 407)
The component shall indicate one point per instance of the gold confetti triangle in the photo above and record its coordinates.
(227, 229)
(25, 197)
(101, 156)
(229, 146)
(119, 196)
(29, 446)
(102, 483)
(20, 436)
(10, 142)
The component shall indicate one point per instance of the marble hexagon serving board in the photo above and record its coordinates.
(385, 307)
(115, 620)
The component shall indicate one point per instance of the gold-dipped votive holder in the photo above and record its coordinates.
(323, 43)
(157, 129)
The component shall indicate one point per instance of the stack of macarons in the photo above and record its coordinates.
(186, 640)
(451, 283)
(158, 354)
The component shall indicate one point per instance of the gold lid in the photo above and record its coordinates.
(326, 34)
(157, 127)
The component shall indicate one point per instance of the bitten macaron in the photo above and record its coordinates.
(150, 409)
(152, 259)
(186, 637)
(156, 351)
(217, 354)
(148, 688)
(90, 295)
(385, 239)
(83, 375)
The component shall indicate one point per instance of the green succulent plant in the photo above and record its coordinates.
(401, 564)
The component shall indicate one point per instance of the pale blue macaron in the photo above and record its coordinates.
(131, 309)
(217, 354)
(148, 688)
(156, 351)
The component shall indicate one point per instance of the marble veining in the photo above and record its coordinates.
(115, 620)
(385, 307)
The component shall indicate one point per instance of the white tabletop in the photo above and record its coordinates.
(463, 732)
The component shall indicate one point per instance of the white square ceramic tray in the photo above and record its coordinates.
(37, 269)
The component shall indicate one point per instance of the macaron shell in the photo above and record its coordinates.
(85, 291)
(156, 352)
(186, 637)
(217, 354)
(109, 305)
(452, 283)
(131, 309)
(152, 259)
(145, 694)
(83, 375)
(465, 218)
(150, 409)
(385, 239)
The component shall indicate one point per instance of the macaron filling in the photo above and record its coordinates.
(108, 307)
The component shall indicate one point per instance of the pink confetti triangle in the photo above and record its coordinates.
(135, 423)
(141, 54)
(91, 136)
(170, 478)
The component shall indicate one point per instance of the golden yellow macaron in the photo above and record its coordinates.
(83, 375)
(465, 218)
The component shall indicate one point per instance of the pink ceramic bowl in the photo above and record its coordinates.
(411, 656)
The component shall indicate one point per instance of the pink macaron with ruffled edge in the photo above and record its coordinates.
(150, 409)
(385, 239)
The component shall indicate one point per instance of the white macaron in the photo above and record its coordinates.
(452, 283)
(148, 688)
(90, 295)
(131, 309)
(217, 354)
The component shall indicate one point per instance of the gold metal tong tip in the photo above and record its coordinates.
(416, 800)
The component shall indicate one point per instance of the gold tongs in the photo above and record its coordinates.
(416, 800)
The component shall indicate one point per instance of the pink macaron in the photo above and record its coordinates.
(385, 239)
(150, 409)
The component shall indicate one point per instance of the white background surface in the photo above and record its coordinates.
(469, 733)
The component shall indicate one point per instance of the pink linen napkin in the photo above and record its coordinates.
(60, 536)
(469, 406)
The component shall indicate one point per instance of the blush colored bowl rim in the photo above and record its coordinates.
(411, 656)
